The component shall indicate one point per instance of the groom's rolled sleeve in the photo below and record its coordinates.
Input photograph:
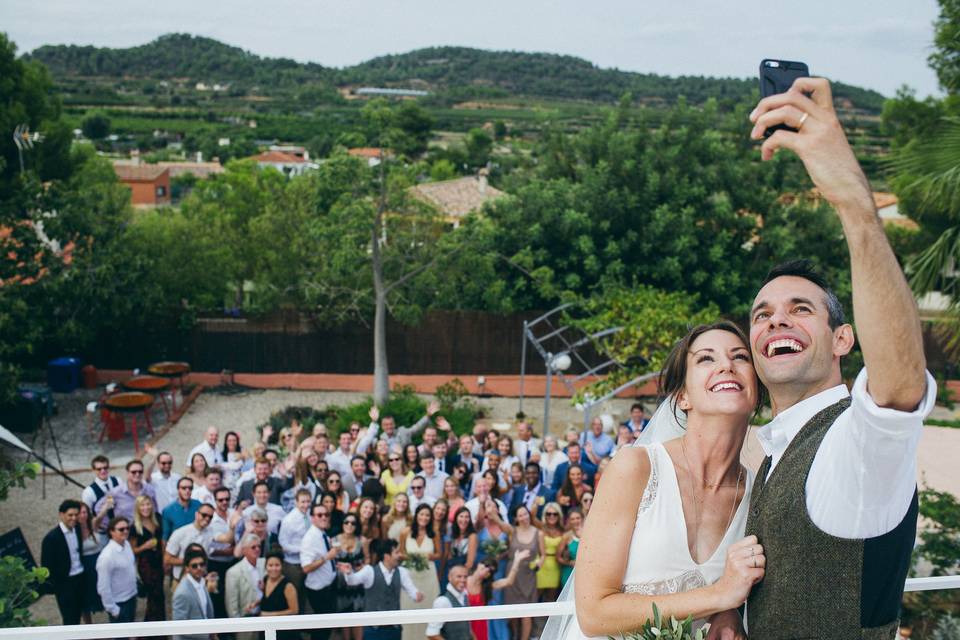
(865, 472)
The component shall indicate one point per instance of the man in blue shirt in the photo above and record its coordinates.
(637, 422)
(181, 511)
(601, 445)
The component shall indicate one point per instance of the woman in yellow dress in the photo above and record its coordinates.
(548, 577)
(396, 479)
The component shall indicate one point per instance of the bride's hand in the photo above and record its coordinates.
(744, 568)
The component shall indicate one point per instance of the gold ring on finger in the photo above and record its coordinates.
(803, 119)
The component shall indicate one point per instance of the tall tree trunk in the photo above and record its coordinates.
(381, 373)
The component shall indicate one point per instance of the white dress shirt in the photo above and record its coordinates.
(292, 530)
(183, 538)
(524, 450)
(339, 461)
(218, 526)
(200, 586)
(90, 498)
(116, 576)
(416, 502)
(313, 547)
(864, 474)
(434, 628)
(275, 515)
(165, 488)
(473, 505)
(213, 455)
(255, 578)
(204, 495)
(76, 567)
(434, 488)
(364, 578)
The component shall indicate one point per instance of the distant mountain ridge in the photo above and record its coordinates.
(457, 70)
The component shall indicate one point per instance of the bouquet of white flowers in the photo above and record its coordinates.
(658, 629)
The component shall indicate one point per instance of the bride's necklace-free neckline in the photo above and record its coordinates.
(698, 501)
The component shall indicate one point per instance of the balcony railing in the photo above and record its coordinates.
(271, 625)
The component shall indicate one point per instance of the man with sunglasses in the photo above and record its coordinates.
(181, 511)
(191, 599)
(316, 559)
(418, 494)
(293, 528)
(197, 532)
(223, 524)
(162, 477)
(117, 573)
(102, 483)
(126, 493)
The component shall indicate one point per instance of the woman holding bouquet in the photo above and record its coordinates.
(419, 548)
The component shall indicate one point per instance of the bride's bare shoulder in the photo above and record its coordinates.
(629, 469)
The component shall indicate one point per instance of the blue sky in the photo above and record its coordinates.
(879, 44)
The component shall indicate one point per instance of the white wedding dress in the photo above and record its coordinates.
(659, 559)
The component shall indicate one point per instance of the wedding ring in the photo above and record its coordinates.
(803, 119)
(754, 562)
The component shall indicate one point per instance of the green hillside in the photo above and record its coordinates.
(451, 73)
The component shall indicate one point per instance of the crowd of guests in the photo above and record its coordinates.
(385, 517)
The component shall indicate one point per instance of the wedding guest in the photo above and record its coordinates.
(261, 500)
(354, 551)
(60, 555)
(244, 583)
(533, 494)
(191, 598)
(370, 525)
(453, 496)
(146, 539)
(382, 583)
(316, 558)
(637, 422)
(411, 458)
(182, 511)
(102, 483)
(117, 573)
(596, 444)
(208, 448)
(398, 518)
(431, 476)
(91, 543)
(292, 529)
(279, 595)
(339, 460)
(234, 457)
(463, 540)
(420, 543)
(526, 447)
(212, 480)
(454, 596)
(197, 532)
(125, 494)
(262, 472)
(548, 574)
(197, 471)
(162, 477)
(550, 458)
(528, 539)
(570, 545)
(418, 495)
(353, 481)
(482, 586)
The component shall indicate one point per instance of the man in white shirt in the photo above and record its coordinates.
(339, 460)
(102, 483)
(261, 499)
(483, 486)
(526, 447)
(433, 478)
(455, 596)
(379, 582)
(211, 482)
(417, 494)
(162, 477)
(316, 559)
(222, 526)
(196, 532)
(853, 455)
(208, 448)
(292, 529)
(117, 573)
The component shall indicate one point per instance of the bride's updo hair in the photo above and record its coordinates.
(673, 376)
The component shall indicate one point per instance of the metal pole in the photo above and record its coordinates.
(523, 364)
(546, 401)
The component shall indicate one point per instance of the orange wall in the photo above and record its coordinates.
(146, 192)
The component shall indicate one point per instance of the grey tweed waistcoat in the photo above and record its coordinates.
(817, 585)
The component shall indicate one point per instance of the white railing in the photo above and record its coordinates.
(271, 625)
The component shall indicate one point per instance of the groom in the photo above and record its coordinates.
(834, 503)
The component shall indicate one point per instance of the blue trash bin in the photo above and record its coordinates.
(63, 374)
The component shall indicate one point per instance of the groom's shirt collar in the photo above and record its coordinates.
(776, 435)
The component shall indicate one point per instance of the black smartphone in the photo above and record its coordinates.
(777, 76)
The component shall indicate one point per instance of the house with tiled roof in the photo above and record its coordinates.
(284, 162)
(373, 155)
(149, 183)
(454, 199)
(199, 169)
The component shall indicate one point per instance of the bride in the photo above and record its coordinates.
(682, 550)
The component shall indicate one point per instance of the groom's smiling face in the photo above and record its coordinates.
(790, 334)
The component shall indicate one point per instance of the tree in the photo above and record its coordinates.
(95, 126)
(945, 58)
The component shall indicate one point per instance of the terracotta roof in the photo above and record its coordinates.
(883, 199)
(138, 173)
(199, 169)
(368, 152)
(456, 198)
(279, 157)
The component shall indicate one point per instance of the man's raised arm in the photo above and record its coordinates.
(888, 324)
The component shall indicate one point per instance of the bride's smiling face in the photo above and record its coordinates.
(720, 378)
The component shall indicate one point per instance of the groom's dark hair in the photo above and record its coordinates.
(805, 269)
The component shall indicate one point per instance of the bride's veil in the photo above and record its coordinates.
(665, 424)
